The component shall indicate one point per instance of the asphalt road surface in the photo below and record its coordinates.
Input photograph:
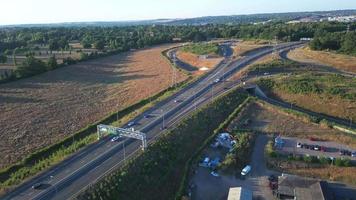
(73, 175)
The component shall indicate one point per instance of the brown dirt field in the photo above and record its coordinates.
(342, 62)
(244, 46)
(196, 61)
(270, 120)
(41, 110)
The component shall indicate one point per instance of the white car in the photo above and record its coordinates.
(299, 145)
(114, 139)
(214, 174)
(246, 170)
(217, 80)
(131, 124)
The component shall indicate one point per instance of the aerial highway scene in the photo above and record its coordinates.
(200, 100)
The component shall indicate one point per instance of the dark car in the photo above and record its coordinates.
(344, 152)
(37, 186)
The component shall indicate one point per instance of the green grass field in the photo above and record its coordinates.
(202, 49)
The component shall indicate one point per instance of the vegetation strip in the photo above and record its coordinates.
(165, 163)
(44, 158)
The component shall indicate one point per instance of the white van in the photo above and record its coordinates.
(246, 170)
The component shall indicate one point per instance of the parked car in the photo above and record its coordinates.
(214, 174)
(299, 145)
(353, 154)
(246, 170)
(344, 152)
(317, 148)
(313, 139)
(323, 149)
(114, 139)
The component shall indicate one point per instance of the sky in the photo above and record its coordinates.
(54, 11)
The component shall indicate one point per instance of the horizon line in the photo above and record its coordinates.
(157, 19)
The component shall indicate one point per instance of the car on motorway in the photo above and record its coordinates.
(132, 123)
(177, 101)
(266, 73)
(37, 186)
(114, 139)
(217, 80)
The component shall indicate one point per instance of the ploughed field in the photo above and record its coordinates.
(41, 110)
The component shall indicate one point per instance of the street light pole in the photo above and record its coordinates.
(123, 144)
(212, 92)
(162, 119)
(117, 113)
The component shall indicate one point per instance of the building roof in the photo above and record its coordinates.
(300, 188)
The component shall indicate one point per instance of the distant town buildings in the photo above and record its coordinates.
(351, 18)
(346, 19)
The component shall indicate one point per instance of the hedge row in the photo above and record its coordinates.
(158, 173)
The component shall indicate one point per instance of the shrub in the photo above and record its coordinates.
(339, 162)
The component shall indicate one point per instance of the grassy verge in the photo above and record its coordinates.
(274, 65)
(202, 48)
(166, 162)
(49, 156)
(330, 94)
(310, 119)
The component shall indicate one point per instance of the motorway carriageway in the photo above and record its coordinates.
(73, 175)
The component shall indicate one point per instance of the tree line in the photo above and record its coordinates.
(110, 40)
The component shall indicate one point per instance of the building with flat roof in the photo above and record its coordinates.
(239, 193)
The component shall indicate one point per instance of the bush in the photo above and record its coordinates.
(339, 162)
(240, 155)
(324, 160)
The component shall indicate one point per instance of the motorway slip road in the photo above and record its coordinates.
(68, 178)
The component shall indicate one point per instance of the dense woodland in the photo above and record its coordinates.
(110, 40)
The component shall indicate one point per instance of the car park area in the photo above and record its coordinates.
(315, 147)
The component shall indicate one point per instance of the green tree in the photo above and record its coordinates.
(349, 43)
(52, 63)
(53, 45)
(30, 66)
(3, 58)
(99, 44)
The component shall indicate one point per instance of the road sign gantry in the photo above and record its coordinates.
(103, 130)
